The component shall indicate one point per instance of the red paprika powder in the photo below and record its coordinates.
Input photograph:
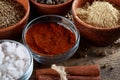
(49, 38)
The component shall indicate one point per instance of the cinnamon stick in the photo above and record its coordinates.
(91, 70)
(51, 77)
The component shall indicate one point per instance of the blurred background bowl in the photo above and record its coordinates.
(50, 59)
(14, 31)
(59, 9)
(98, 36)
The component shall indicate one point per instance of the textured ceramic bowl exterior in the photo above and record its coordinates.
(15, 30)
(60, 9)
(98, 36)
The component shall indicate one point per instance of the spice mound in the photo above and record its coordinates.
(14, 60)
(49, 38)
(11, 12)
(51, 2)
(100, 13)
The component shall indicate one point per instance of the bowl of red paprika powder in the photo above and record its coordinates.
(51, 38)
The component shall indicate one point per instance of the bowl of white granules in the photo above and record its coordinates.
(16, 61)
(98, 21)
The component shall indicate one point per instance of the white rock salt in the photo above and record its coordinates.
(10, 50)
(21, 62)
(14, 60)
(1, 57)
(0, 74)
(18, 52)
(4, 66)
(7, 58)
(11, 68)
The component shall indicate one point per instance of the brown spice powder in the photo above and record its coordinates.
(100, 14)
(11, 12)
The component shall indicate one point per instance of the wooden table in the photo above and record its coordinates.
(107, 57)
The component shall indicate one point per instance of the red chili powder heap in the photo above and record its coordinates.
(49, 38)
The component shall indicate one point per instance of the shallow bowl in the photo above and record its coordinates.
(98, 36)
(15, 30)
(50, 59)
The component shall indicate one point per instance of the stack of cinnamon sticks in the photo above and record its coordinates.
(90, 72)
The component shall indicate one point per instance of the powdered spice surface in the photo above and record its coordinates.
(49, 38)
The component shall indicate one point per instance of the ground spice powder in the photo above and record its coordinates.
(11, 12)
(101, 14)
(49, 38)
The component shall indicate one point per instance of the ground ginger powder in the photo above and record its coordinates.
(100, 14)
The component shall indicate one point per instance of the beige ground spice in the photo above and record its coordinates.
(100, 14)
(10, 12)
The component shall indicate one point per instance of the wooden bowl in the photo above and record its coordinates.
(15, 30)
(59, 9)
(98, 36)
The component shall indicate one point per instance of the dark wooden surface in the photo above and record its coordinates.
(107, 57)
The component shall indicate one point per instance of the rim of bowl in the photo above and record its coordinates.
(19, 22)
(75, 31)
(50, 6)
(86, 24)
(30, 54)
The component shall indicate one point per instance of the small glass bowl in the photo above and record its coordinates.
(29, 68)
(52, 59)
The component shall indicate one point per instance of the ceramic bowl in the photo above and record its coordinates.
(98, 36)
(59, 9)
(57, 58)
(15, 30)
